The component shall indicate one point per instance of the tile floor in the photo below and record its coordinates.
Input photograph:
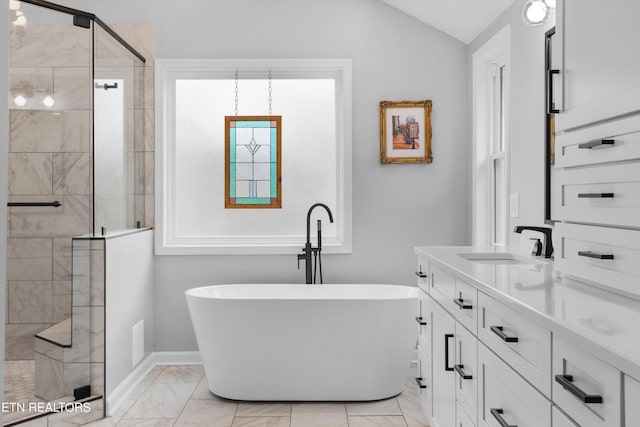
(179, 396)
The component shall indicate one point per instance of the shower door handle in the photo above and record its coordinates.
(55, 204)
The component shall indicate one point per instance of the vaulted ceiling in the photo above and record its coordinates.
(462, 19)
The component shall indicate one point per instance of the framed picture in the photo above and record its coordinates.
(405, 132)
(253, 169)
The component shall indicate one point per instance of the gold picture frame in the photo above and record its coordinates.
(405, 132)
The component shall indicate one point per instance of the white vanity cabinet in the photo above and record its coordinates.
(520, 360)
(631, 401)
(466, 369)
(600, 51)
(585, 387)
(507, 399)
(447, 344)
(523, 344)
(442, 357)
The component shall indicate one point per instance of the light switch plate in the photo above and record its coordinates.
(514, 201)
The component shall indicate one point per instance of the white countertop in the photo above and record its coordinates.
(607, 323)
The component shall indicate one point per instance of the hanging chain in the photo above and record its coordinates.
(270, 98)
(236, 92)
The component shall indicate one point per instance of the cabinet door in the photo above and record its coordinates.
(466, 368)
(423, 381)
(601, 59)
(443, 374)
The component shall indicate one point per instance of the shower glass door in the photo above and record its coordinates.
(118, 118)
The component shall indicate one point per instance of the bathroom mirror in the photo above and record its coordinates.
(551, 64)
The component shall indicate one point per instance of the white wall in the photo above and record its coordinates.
(395, 57)
(4, 149)
(527, 137)
(128, 299)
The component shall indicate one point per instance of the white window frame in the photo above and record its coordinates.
(487, 61)
(170, 70)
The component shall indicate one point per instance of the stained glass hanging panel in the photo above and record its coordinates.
(253, 162)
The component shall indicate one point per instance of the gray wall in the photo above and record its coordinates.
(129, 299)
(4, 149)
(527, 137)
(395, 57)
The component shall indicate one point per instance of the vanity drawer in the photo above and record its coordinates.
(423, 381)
(462, 419)
(523, 344)
(422, 274)
(586, 388)
(424, 321)
(466, 369)
(631, 401)
(507, 397)
(607, 195)
(443, 287)
(608, 142)
(559, 419)
(601, 255)
(466, 300)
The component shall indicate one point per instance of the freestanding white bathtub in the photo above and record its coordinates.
(305, 342)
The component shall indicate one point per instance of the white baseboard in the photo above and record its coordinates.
(122, 391)
(177, 358)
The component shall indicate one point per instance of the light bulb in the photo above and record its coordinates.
(20, 100)
(48, 101)
(535, 12)
(551, 4)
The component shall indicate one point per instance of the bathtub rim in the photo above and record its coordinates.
(386, 292)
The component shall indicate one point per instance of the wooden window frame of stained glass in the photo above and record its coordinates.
(253, 166)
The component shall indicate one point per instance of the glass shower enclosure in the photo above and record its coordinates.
(76, 168)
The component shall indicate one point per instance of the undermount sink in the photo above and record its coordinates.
(498, 258)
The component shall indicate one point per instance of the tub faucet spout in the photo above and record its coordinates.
(308, 251)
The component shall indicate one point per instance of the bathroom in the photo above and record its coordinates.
(382, 211)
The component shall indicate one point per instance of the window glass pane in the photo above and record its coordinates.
(499, 206)
(309, 153)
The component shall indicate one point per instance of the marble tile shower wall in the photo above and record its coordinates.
(50, 159)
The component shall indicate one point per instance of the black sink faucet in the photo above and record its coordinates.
(548, 245)
(308, 250)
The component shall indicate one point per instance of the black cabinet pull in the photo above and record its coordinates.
(420, 321)
(419, 382)
(590, 254)
(461, 305)
(566, 381)
(446, 352)
(420, 274)
(497, 414)
(596, 143)
(550, 109)
(595, 195)
(460, 370)
(499, 331)
(55, 204)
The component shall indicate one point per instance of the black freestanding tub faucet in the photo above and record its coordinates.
(308, 250)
